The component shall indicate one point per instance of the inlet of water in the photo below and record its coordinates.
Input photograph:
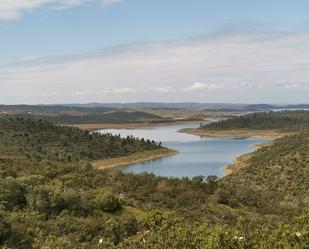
(197, 155)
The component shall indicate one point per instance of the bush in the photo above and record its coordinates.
(107, 202)
(222, 196)
(12, 193)
(5, 229)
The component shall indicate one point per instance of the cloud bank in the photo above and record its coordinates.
(233, 67)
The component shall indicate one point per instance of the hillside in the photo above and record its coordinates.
(40, 140)
(52, 197)
(281, 120)
(276, 178)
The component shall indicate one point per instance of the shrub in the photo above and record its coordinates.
(5, 229)
(107, 202)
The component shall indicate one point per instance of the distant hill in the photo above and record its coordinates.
(160, 105)
(304, 106)
(194, 105)
(105, 107)
(109, 117)
(52, 109)
(78, 115)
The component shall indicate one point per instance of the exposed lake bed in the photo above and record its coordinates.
(196, 155)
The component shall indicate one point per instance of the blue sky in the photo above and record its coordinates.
(59, 51)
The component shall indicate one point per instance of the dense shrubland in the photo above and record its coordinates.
(276, 179)
(280, 120)
(41, 140)
(51, 196)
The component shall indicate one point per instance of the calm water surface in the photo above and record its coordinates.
(197, 156)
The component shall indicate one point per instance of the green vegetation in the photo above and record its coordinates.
(79, 115)
(276, 179)
(51, 197)
(283, 120)
(115, 117)
(40, 140)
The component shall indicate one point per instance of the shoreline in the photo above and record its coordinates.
(95, 127)
(240, 133)
(138, 157)
(241, 161)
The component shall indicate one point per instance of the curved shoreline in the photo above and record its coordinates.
(240, 161)
(139, 157)
(238, 133)
(237, 163)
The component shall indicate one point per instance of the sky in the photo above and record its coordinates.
(81, 51)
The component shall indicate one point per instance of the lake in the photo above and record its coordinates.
(197, 155)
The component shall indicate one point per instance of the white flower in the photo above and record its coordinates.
(239, 238)
(298, 234)
(100, 241)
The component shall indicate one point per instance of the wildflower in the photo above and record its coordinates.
(298, 234)
(100, 241)
(238, 238)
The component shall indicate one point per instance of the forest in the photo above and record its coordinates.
(279, 120)
(52, 197)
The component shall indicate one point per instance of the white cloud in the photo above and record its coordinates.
(14, 9)
(230, 66)
(197, 86)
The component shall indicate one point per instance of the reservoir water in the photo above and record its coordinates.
(197, 155)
